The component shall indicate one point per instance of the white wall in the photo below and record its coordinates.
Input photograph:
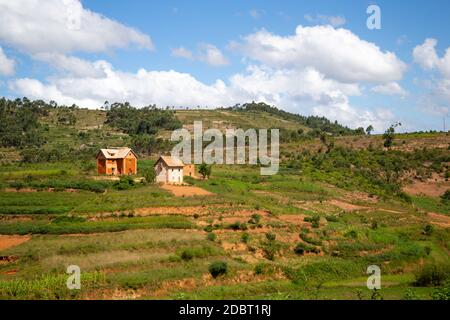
(175, 175)
(168, 175)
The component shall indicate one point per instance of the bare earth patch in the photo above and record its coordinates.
(431, 187)
(12, 241)
(439, 219)
(186, 191)
(345, 205)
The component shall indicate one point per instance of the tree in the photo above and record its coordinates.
(369, 129)
(204, 170)
(389, 135)
(149, 175)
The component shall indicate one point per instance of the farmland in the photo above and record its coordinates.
(308, 232)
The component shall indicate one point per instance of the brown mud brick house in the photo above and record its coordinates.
(116, 161)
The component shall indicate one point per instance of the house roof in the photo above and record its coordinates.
(170, 161)
(115, 153)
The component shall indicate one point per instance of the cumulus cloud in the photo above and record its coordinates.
(391, 89)
(437, 100)
(426, 56)
(335, 21)
(306, 92)
(212, 55)
(182, 52)
(6, 64)
(141, 88)
(34, 26)
(74, 66)
(337, 53)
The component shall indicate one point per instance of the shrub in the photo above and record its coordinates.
(332, 218)
(149, 175)
(446, 196)
(187, 255)
(208, 228)
(302, 248)
(315, 221)
(255, 219)
(428, 230)
(238, 226)
(211, 236)
(442, 293)
(351, 234)
(125, 183)
(245, 237)
(218, 268)
(271, 236)
(304, 236)
(432, 275)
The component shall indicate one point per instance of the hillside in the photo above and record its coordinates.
(339, 203)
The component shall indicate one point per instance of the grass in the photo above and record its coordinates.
(168, 256)
(112, 225)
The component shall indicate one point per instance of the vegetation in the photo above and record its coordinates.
(338, 204)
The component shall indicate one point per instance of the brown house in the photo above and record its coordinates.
(115, 161)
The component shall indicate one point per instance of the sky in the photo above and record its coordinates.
(307, 57)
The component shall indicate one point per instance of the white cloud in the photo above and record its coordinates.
(337, 53)
(426, 56)
(182, 52)
(335, 21)
(34, 26)
(391, 89)
(306, 92)
(212, 55)
(142, 88)
(437, 100)
(74, 66)
(6, 64)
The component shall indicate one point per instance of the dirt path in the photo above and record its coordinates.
(432, 187)
(186, 191)
(346, 206)
(12, 241)
(439, 219)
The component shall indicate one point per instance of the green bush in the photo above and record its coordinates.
(271, 236)
(125, 183)
(314, 220)
(245, 237)
(218, 268)
(442, 293)
(302, 248)
(428, 230)
(351, 234)
(211, 236)
(255, 219)
(432, 275)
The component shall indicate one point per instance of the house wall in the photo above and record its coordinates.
(101, 166)
(130, 164)
(175, 175)
(164, 174)
(111, 167)
(161, 172)
(189, 170)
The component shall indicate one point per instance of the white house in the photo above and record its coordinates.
(169, 170)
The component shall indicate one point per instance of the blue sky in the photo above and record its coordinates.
(213, 53)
